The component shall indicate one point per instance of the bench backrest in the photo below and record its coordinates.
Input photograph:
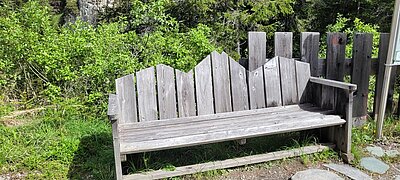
(217, 84)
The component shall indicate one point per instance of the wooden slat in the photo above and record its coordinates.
(127, 99)
(147, 99)
(333, 83)
(309, 49)
(335, 57)
(185, 92)
(166, 92)
(284, 44)
(256, 89)
(257, 49)
(210, 117)
(254, 159)
(204, 89)
(240, 95)
(221, 82)
(302, 77)
(362, 52)
(113, 109)
(254, 131)
(272, 83)
(288, 81)
(204, 127)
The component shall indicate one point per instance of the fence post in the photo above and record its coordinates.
(362, 52)
(257, 49)
(284, 44)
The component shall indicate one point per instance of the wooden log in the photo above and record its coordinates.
(272, 83)
(221, 82)
(288, 81)
(204, 87)
(256, 89)
(127, 99)
(257, 49)
(185, 92)
(284, 44)
(362, 52)
(147, 98)
(240, 95)
(166, 92)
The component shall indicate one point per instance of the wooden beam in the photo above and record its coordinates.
(333, 83)
(254, 159)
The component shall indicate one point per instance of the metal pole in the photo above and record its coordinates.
(388, 70)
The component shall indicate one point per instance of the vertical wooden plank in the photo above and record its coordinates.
(127, 99)
(288, 81)
(185, 93)
(221, 82)
(204, 90)
(362, 52)
(240, 95)
(383, 50)
(147, 99)
(303, 75)
(309, 49)
(335, 66)
(256, 89)
(257, 49)
(284, 44)
(166, 92)
(272, 83)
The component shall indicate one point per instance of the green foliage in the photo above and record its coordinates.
(344, 24)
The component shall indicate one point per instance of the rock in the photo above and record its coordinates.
(315, 174)
(351, 172)
(397, 177)
(374, 165)
(392, 153)
(375, 150)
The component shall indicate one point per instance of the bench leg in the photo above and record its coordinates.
(117, 154)
(342, 134)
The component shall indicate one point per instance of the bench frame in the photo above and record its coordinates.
(339, 135)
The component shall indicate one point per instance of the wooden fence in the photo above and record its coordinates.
(335, 66)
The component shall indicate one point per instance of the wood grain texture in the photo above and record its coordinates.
(257, 49)
(240, 95)
(113, 109)
(362, 52)
(221, 82)
(229, 163)
(126, 93)
(284, 44)
(166, 92)
(309, 49)
(333, 83)
(147, 98)
(303, 75)
(204, 87)
(185, 93)
(256, 89)
(288, 81)
(272, 83)
(335, 61)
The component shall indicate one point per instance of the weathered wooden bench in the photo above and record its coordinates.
(221, 101)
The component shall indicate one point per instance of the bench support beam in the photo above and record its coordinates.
(254, 159)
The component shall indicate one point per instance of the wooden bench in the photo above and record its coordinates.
(221, 101)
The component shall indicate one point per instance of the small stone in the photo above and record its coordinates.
(374, 165)
(397, 177)
(392, 153)
(348, 171)
(375, 150)
(315, 174)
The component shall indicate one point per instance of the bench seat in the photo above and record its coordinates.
(205, 129)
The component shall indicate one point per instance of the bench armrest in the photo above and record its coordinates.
(112, 111)
(333, 83)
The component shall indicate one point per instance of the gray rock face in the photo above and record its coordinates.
(392, 153)
(374, 165)
(315, 174)
(376, 151)
(90, 9)
(348, 171)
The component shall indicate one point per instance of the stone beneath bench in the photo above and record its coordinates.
(315, 174)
